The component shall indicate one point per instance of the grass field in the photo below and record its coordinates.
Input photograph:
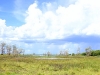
(30, 66)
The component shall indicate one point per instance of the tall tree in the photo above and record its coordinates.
(21, 51)
(8, 48)
(15, 50)
(48, 53)
(61, 53)
(78, 51)
(3, 48)
(66, 53)
(88, 51)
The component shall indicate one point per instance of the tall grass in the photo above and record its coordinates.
(10, 65)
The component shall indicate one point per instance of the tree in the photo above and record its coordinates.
(61, 53)
(8, 48)
(78, 51)
(84, 54)
(21, 51)
(66, 53)
(88, 51)
(73, 54)
(95, 53)
(3, 48)
(15, 50)
(48, 53)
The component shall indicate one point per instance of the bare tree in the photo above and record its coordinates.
(8, 48)
(88, 51)
(15, 50)
(45, 54)
(66, 53)
(21, 51)
(3, 48)
(78, 51)
(48, 53)
(61, 53)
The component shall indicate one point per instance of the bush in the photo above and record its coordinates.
(83, 54)
(93, 53)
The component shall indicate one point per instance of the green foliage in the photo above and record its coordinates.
(83, 54)
(73, 54)
(93, 53)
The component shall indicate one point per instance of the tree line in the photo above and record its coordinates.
(14, 50)
(90, 52)
(10, 49)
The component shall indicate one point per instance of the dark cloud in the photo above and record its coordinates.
(93, 39)
(77, 39)
(83, 38)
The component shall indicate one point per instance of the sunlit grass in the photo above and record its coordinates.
(10, 65)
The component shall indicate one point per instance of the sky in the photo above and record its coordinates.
(39, 26)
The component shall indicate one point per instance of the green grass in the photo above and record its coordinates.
(10, 65)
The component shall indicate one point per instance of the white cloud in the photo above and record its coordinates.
(70, 47)
(6, 32)
(92, 29)
(2, 27)
(79, 18)
(62, 22)
(82, 17)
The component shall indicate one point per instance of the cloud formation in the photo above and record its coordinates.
(56, 21)
(81, 18)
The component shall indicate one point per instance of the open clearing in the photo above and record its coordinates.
(34, 66)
